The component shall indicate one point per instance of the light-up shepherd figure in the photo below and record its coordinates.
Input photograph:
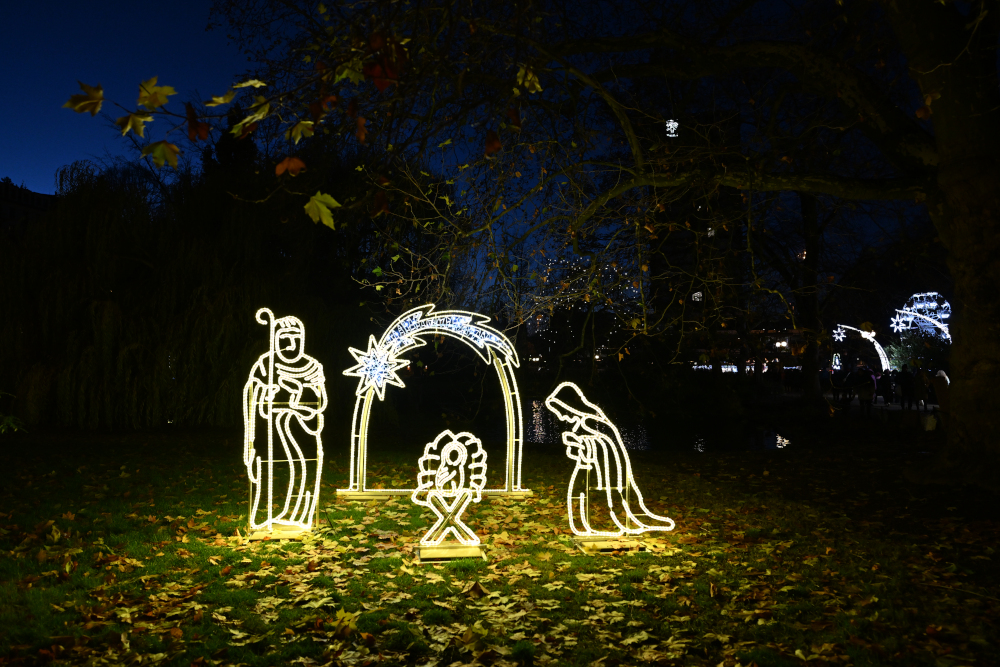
(287, 391)
(451, 476)
(594, 443)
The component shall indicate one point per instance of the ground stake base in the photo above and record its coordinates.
(606, 545)
(447, 552)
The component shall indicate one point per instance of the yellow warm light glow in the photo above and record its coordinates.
(441, 485)
(595, 444)
(377, 367)
(284, 372)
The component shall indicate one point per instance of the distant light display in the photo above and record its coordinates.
(839, 334)
(925, 312)
(672, 127)
(867, 335)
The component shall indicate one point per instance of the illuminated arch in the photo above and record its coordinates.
(867, 335)
(376, 368)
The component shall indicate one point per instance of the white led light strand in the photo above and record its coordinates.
(867, 335)
(940, 325)
(441, 485)
(377, 367)
(284, 372)
(595, 444)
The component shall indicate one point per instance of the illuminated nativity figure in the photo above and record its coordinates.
(594, 444)
(452, 474)
(284, 398)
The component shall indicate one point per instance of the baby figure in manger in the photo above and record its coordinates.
(451, 476)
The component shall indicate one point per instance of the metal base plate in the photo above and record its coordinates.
(606, 545)
(347, 494)
(446, 552)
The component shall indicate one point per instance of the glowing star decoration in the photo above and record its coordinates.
(869, 336)
(672, 126)
(898, 323)
(839, 334)
(277, 394)
(450, 478)
(595, 445)
(376, 368)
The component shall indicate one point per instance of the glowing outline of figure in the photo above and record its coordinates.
(437, 484)
(258, 399)
(587, 445)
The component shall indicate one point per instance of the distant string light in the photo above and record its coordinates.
(672, 127)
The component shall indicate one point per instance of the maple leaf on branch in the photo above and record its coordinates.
(218, 100)
(91, 100)
(362, 132)
(303, 128)
(161, 152)
(319, 207)
(134, 121)
(252, 82)
(292, 165)
(492, 143)
(196, 128)
(152, 96)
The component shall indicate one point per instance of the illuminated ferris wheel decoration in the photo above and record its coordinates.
(925, 312)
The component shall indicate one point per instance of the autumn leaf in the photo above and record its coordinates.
(91, 100)
(492, 143)
(515, 120)
(350, 70)
(134, 121)
(162, 151)
(260, 110)
(362, 132)
(529, 80)
(381, 204)
(252, 82)
(196, 129)
(924, 112)
(319, 207)
(303, 128)
(292, 165)
(219, 100)
(382, 78)
(352, 108)
(152, 96)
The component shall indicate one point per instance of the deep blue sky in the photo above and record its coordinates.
(48, 46)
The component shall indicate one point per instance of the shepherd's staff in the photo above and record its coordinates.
(270, 409)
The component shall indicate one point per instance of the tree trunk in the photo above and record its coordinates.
(955, 59)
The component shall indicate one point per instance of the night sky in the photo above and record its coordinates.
(48, 46)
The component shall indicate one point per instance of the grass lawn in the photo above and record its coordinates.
(124, 550)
